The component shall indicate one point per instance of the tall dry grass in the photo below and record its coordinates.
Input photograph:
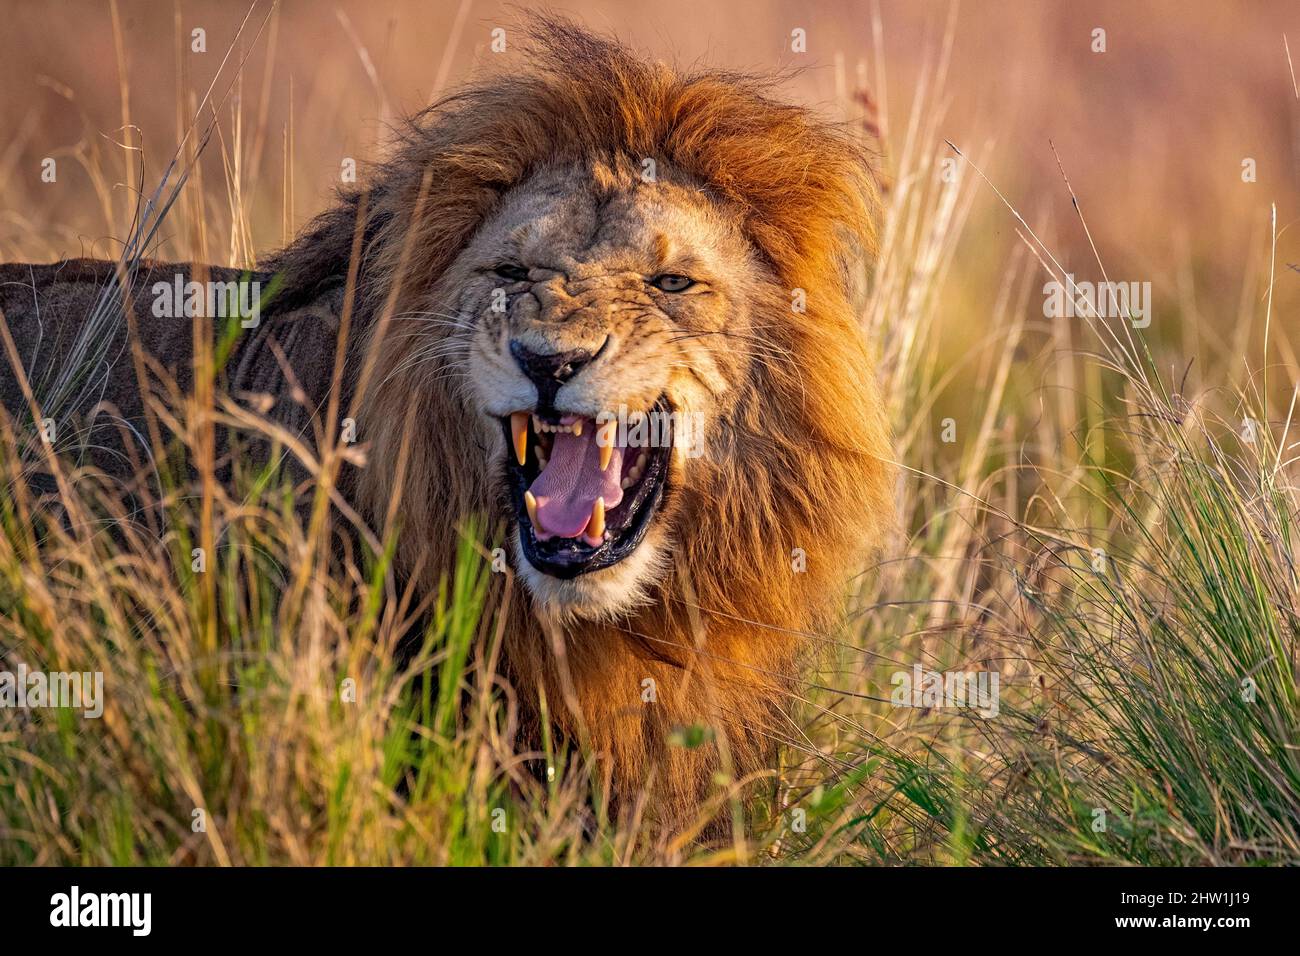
(1098, 533)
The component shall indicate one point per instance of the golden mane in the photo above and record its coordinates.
(802, 463)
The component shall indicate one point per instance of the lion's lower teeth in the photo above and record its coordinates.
(531, 504)
(634, 473)
(596, 524)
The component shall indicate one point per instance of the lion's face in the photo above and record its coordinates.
(604, 320)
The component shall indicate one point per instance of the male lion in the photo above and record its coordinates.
(606, 303)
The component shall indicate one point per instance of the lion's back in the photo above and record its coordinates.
(78, 374)
(44, 307)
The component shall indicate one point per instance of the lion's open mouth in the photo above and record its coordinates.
(584, 492)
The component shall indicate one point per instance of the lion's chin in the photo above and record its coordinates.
(607, 594)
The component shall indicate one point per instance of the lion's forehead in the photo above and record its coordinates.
(574, 224)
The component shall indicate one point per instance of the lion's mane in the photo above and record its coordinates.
(802, 464)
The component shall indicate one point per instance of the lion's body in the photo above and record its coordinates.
(756, 542)
(46, 306)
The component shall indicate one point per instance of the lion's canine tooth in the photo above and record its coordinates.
(576, 428)
(519, 430)
(605, 439)
(596, 526)
(530, 503)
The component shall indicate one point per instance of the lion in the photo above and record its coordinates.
(607, 304)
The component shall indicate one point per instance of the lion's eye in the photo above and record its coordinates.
(671, 282)
(508, 270)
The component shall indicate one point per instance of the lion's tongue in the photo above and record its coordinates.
(572, 482)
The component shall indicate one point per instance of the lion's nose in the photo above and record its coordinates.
(549, 370)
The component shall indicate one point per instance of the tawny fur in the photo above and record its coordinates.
(805, 458)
